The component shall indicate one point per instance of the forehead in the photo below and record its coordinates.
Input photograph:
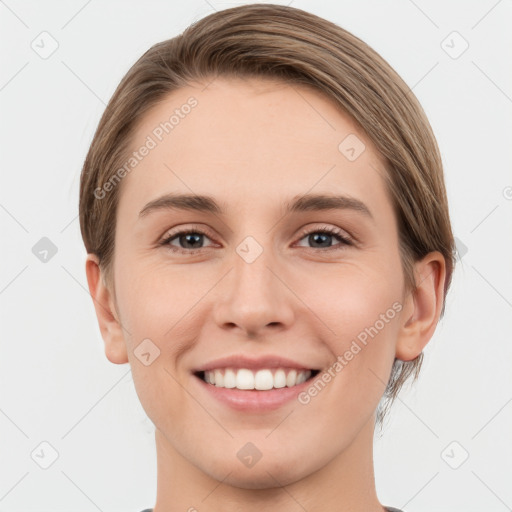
(240, 139)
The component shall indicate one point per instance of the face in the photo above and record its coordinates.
(247, 283)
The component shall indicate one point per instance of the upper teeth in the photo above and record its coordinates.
(261, 379)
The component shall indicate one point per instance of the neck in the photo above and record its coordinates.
(345, 484)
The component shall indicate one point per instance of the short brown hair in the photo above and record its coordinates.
(296, 47)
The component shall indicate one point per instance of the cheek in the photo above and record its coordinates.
(352, 298)
(364, 318)
(361, 313)
(157, 305)
(152, 298)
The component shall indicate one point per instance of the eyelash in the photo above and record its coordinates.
(345, 241)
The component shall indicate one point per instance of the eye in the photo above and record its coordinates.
(189, 240)
(325, 234)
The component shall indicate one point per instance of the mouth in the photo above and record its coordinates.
(256, 380)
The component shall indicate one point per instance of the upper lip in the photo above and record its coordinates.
(260, 362)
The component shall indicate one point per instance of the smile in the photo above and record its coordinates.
(261, 380)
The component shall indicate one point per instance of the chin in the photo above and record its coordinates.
(265, 474)
(260, 480)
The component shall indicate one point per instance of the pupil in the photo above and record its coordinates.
(191, 235)
(315, 236)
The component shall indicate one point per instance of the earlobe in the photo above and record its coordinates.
(110, 327)
(422, 307)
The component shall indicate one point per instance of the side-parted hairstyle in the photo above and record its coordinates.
(296, 47)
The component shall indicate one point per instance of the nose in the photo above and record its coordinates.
(255, 297)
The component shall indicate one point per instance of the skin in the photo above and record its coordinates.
(252, 145)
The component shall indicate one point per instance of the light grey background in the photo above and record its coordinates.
(56, 385)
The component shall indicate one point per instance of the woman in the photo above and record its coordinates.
(269, 247)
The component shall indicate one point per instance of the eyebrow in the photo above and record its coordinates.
(207, 204)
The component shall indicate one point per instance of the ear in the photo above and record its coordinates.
(422, 307)
(110, 327)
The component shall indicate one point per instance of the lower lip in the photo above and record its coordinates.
(254, 400)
